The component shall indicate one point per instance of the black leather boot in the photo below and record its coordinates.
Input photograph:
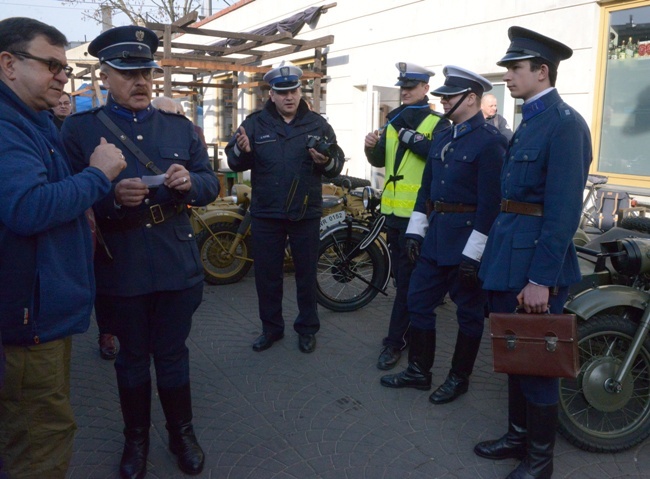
(513, 443)
(462, 365)
(177, 405)
(417, 375)
(136, 411)
(538, 463)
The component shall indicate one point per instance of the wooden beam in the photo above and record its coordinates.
(197, 84)
(210, 65)
(167, 40)
(318, 42)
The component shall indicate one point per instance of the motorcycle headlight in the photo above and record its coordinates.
(634, 257)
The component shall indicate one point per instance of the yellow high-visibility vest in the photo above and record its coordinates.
(398, 197)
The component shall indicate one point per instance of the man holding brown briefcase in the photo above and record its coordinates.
(529, 258)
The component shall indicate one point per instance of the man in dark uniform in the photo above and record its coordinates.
(287, 200)
(148, 270)
(402, 149)
(529, 258)
(456, 205)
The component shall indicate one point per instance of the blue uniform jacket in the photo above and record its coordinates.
(47, 287)
(164, 257)
(463, 166)
(547, 163)
(286, 182)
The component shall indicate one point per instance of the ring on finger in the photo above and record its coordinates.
(184, 180)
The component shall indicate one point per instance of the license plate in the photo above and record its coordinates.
(331, 220)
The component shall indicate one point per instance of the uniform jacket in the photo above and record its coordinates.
(46, 272)
(286, 182)
(163, 257)
(501, 124)
(463, 166)
(547, 163)
(402, 159)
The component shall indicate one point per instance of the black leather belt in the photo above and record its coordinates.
(440, 207)
(521, 208)
(149, 217)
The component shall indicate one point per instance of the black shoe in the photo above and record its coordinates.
(266, 340)
(307, 343)
(134, 456)
(107, 348)
(183, 443)
(411, 377)
(509, 446)
(453, 387)
(388, 358)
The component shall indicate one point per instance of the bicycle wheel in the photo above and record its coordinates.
(594, 415)
(348, 279)
(219, 266)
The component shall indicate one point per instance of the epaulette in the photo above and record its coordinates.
(491, 128)
(254, 113)
(174, 114)
(86, 112)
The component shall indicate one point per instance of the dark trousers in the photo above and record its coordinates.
(155, 324)
(402, 270)
(430, 283)
(269, 241)
(536, 389)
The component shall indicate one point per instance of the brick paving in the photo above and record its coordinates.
(282, 414)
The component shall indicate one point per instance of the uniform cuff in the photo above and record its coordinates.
(475, 245)
(418, 224)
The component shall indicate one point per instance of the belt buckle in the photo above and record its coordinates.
(157, 214)
(437, 206)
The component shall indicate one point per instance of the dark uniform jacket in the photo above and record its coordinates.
(463, 166)
(157, 257)
(547, 163)
(286, 182)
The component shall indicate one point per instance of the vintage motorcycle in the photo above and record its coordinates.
(354, 261)
(607, 407)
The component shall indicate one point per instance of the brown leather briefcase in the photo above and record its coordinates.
(535, 344)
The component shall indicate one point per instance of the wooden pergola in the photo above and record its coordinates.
(204, 55)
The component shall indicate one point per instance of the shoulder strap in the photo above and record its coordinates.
(139, 154)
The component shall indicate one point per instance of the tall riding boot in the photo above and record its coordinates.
(177, 405)
(422, 351)
(462, 365)
(513, 443)
(538, 463)
(136, 411)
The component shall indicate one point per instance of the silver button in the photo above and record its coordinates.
(189, 235)
(146, 201)
(442, 182)
(175, 155)
(135, 120)
(139, 137)
(148, 225)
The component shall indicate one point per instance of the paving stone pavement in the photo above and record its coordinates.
(283, 414)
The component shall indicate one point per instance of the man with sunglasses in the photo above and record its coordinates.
(288, 149)
(46, 271)
(149, 275)
(455, 208)
(402, 149)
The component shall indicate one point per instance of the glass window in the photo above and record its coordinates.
(625, 130)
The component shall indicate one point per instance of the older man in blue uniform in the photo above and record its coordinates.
(148, 270)
(456, 205)
(529, 258)
(277, 145)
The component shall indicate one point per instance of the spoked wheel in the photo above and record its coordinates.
(219, 265)
(349, 279)
(596, 414)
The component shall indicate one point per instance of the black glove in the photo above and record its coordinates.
(468, 273)
(412, 249)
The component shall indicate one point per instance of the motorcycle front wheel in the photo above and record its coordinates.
(348, 279)
(595, 415)
(219, 266)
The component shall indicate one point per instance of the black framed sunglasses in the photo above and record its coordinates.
(54, 66)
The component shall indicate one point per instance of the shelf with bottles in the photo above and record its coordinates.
(629, 49)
